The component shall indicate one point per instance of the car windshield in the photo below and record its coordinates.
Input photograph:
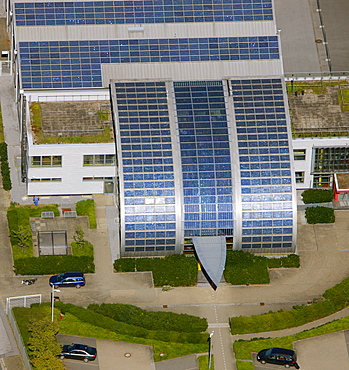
(268, 352)
(60, 277)
(71, 347)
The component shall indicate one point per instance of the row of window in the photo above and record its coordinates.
(89, 160)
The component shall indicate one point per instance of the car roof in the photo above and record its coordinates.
(282, 351)
(71, 274)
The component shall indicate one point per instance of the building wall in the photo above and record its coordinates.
(306, 165)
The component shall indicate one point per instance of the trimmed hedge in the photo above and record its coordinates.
(336, 298)
(97, 319)
(174, 270)
(243, 268)
(48, 265)
(317, 196)
(319, 215)
(149, 319)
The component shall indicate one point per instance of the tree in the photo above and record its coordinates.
(79, 237)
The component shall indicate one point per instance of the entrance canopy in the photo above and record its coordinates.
(211, 252)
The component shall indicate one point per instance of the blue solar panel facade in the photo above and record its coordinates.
(140, 12)
(147, 167)
(74, 64)
(265, 167)
(205, 158)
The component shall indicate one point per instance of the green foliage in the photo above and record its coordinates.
(22, 237)
(203, 362)
(292, 260)
(244, 365)
(151, 320)
(79, 237)
(43, 346)
(245, 268)
(85, 250)
(100, 320)
(48, 265)
(6, 178)
(174, 270)
(317, 196)
(319, 215)
(71, 325)
(335, 299)
(3, 152)
(87, 208)
(103, 115)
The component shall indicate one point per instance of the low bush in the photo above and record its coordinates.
(319, 215)
(86, 250)
(317, 196)
(97, 319)
(48, 265)
(245, 268)
(174, 270)
(149, 319)
(87, 208)
(335, 299)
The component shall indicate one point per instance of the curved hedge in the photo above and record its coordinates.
(97, 319)
(149, 319)
(335, 299)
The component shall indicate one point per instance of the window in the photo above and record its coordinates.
(331, 159)
(300, 177)
(46, 161)
(299, 154)
(99, 160)
(45, 179)
(322, 181)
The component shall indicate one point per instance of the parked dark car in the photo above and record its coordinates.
(75, 279)
(78, 352)
(278, 356)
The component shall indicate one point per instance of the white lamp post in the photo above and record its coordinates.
(210, 350)
(53, 300)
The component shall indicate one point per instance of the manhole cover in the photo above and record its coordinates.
(318, 41)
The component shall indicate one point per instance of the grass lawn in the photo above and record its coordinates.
(73, 326)
(243, 349)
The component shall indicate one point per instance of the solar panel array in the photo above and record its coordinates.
(139, 12)
(205, 158)
(147, 166)
(264, 156)
(74, 64)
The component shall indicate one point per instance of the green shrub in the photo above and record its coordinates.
(97, 319)
(87, 208)
(317, 196)
(3, 152)
(47, 265)
(174, 270)
(244, 268)
(6, 178)
(86, 250)
(319, 215)
(149, 319)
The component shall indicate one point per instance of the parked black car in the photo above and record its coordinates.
(279, 356)
(74, 279)
(78, 352)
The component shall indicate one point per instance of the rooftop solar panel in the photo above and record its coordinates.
(147, 166)
(205, 158)
(74, 64)
(265, 169)
(141, 12)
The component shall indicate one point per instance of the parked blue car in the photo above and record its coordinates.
(74, 279)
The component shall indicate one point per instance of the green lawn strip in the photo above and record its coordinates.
(203, 362)
(87, 208)
(86, 250)
(71, 325)
(244, 365)
(243, 349)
